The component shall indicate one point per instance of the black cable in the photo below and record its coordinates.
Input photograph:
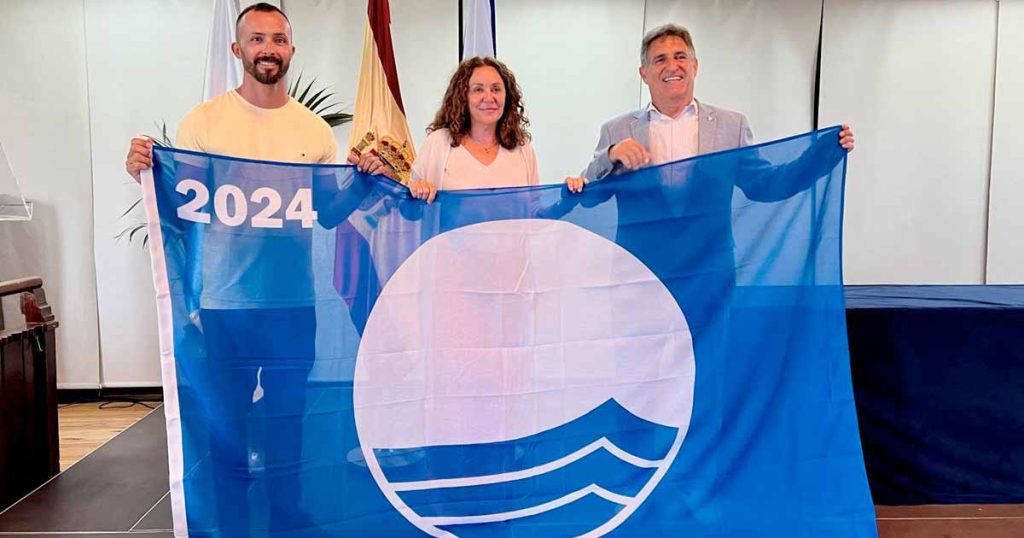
(131, 402)
(109, 403)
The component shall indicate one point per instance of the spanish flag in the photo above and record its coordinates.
(379, 124)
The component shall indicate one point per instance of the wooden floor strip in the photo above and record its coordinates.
(84, 427)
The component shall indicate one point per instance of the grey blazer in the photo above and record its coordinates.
(719, 129)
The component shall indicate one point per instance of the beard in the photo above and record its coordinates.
(265, 77)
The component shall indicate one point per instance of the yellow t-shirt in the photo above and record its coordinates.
(230, 125)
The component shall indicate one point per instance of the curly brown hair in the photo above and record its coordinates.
(454, 112)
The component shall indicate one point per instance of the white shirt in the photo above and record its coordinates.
(671, 138)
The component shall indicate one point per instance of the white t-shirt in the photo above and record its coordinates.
(243, 266)
(455, 168)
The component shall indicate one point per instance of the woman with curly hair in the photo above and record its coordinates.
(478, 138)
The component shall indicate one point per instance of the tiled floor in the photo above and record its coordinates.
(118, 490)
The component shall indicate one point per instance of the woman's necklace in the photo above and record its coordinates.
(487, 149)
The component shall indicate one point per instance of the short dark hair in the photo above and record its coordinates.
(261, 7)
(667, 30)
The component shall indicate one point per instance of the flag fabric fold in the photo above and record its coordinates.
(664, 353)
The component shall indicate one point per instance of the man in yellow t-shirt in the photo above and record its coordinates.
(256, 306)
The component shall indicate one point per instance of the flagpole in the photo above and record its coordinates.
(462, 32)
(494, 32)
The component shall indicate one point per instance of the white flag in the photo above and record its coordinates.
(478, 29)
(223, 70)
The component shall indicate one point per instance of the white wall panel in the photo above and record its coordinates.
(426, 40)
(576, 63)
(915, 79)
(1006, 218)
(146, 61)
(755, 56)
(44, 125)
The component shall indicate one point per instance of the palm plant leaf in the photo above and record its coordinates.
(320, 111)
(318, 101)
(130, 208)
(294, 85)
(136, 230)
(305, 92)
(131, 231)
(337, 118)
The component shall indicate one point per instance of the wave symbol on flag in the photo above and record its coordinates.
(598, 478)
(507, 378)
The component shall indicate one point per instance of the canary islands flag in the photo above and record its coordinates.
(662, 354)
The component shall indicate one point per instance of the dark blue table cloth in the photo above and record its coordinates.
(938, 374)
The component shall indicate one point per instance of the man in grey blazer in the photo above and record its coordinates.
(675, 125)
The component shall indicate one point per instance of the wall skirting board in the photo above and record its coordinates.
(110, 394)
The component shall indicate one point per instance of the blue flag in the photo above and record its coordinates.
(664, 353)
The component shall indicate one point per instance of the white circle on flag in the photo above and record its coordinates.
(504, 330)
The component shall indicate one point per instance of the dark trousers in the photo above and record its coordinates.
(258, 445)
